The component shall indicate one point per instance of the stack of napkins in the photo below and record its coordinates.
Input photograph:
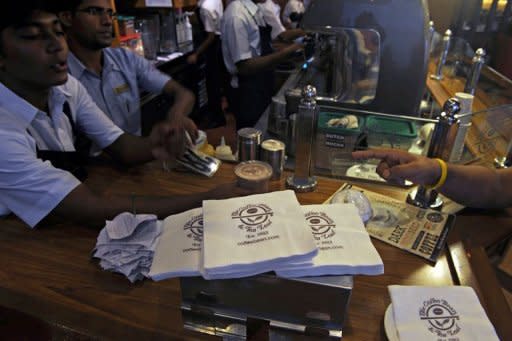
(250, 235)
(178, 252)
(435, 313)
(344, 245)
(127, 243)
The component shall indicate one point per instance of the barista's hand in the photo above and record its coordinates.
(230, 190)
(180, 121)
(167, 141)
(192, 59)
(396, 166)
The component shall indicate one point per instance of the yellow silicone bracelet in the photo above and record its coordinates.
(444, 175)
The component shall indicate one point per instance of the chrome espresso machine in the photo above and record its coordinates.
(362, 56)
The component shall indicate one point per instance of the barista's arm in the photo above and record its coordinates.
(290, 35)
(165, 142)
(210, 38)
(177, 115)
(84, 206)
(251, 66)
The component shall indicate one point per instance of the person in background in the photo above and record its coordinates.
(114, 77)
(473, 186)
(250, 59)
(43, 109)
(209, 14)
(271, 14)
(292, 13)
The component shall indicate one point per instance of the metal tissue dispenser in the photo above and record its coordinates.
(291, 308)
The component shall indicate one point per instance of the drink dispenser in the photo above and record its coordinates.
(361, 56)
(368, 54)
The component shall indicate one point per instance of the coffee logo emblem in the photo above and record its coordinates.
(194, 228)
(441, 319)
(253, 217)
(321, 225)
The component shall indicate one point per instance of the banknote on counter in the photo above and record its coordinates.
(419, 231)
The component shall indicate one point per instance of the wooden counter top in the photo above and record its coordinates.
(49, 274)
(490, 132)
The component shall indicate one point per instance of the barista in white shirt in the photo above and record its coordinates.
(293, 8)
(250, 59)
(272, 13)
(42, 112)
(209, 14)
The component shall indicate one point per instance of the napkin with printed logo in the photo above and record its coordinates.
(127, 244)
(344, 246)
(439, 313)
(178, 252)
(254, 234)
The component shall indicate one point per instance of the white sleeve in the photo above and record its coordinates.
(237, 37)
(209, 22)
(29, 187)
(91, 120)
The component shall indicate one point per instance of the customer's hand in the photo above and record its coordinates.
(396, 166)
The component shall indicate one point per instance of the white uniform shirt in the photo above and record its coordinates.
(292, 6)
(271, 13)
(29, 187)
(240, 34)
(117, 90)
(211, 12)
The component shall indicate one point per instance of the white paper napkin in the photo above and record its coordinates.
(127, 243)
(344, 245)
(179, 249)
(446, 313)
(254, 234)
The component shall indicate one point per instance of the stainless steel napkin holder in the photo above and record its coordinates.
(311, 306)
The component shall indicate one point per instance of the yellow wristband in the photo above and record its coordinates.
(444, 175)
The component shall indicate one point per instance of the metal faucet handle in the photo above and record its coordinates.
(480, 53)
(452, 106)
(309, 92)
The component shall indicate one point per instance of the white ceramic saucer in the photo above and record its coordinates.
(389, 325)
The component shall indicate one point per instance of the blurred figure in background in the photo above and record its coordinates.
(292, 13)
(209, 14)
(272, 15)
(250, 59)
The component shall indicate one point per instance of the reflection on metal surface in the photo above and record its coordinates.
(301, 181)
(229, 304)
(506, 161)
(442, 58)
(476, 68)
(344, 64)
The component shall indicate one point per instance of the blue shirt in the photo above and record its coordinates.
(117, 90)
(30, 187)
